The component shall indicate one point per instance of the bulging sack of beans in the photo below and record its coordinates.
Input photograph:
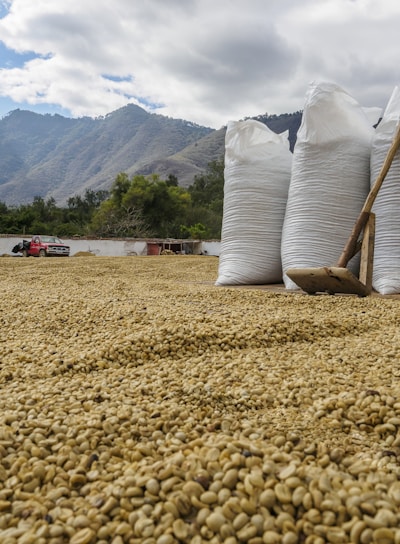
(386, 271)
(256, 182)
(329, 182)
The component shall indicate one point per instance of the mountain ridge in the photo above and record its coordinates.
(52, 156)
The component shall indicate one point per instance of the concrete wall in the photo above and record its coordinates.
(211, 248)
(106, 248)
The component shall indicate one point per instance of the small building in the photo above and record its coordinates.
(179, 247)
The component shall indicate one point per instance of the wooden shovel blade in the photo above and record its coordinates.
(330, 279)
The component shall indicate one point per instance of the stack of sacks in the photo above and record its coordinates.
(257, 175)
(330, 179)
(386, 272)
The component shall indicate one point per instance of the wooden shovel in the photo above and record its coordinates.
(337, 278)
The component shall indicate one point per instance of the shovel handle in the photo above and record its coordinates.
(350, 247)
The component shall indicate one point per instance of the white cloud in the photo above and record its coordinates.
(200, 60)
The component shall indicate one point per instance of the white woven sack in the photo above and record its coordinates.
(257, 175)
(386, 272)
(329, 182)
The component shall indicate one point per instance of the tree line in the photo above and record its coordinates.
(138, 206)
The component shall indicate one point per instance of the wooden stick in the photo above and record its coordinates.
(367, 254)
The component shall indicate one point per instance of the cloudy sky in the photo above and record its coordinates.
(207, 61)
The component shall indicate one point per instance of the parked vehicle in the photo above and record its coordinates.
(42, 246)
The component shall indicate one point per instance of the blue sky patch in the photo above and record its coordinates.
(7, 105)
(148, 104)
(4, 8)
(117, 79)
(11, 59)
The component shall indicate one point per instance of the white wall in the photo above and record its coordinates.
(211, 248)
(106, 248)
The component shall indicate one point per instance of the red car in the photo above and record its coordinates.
(43, 246)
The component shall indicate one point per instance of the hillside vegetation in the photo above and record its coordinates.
(56, 157)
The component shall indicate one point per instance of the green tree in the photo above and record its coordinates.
(196, 232)
(45, 210)
(140, 206)
(143, 206)
(208, 188)
(207, 194)
(120, 187)
(172, 180)
(24, 216)
(8, 222)
(113, 221)
(80, 211)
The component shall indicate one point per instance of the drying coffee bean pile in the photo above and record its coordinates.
(139, 403)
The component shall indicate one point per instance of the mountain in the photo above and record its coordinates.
(54, 156)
